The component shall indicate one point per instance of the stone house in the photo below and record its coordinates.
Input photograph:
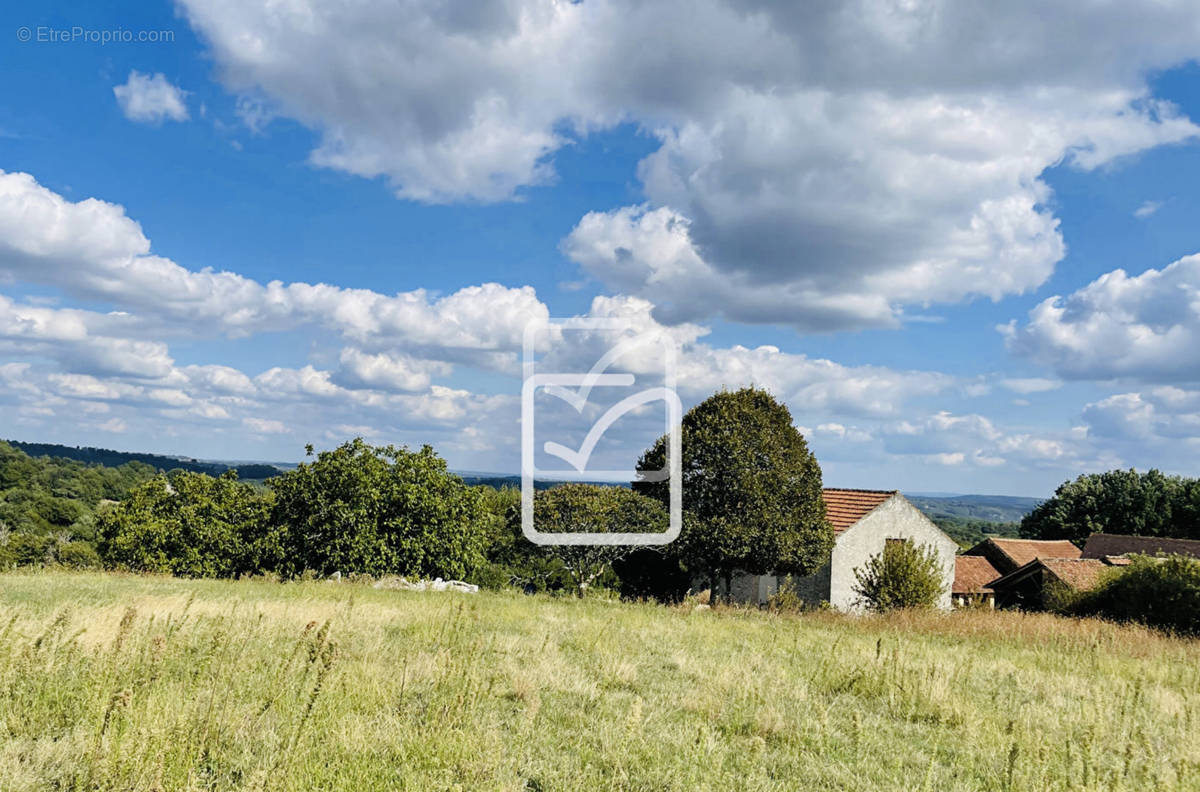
(864, 521)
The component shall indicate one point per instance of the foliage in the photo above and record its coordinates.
(1119, 502)
(378, 510)
(652, 573)
(751, 489)
(48, 506)
(968, 532)
(187, 524)
(126, 683)
(787, 599)
(1159, 592)
(511, 559)
(904, 575)
(589, 508)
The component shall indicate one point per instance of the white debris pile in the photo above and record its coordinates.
(437, 584)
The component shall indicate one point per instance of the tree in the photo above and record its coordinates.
(588, 508)
(1120, 502)
(379, 510)
(904, 575)
(187, 524)
(751, 490)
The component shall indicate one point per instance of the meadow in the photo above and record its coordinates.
(114, 682)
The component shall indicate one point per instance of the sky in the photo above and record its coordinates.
(958, 240)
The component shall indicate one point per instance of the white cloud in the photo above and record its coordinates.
(264, 425)
(390, 372)
(817, 166)
(946, 438)
(92, 249)
(1153, 421)
(1146, 209)
(1145, 327)
(115, 425)
(151, 99)
(1027, 385)
(398, 351)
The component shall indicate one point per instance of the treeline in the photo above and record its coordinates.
(752, 502)
(110, 458)
(49, 506)
(969, 532)
(1118, 502)
(357, 509)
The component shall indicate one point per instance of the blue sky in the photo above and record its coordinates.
(914, 239)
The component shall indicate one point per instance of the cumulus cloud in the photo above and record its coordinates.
(388, 371)
(151, 99)
(1157, 416)
(398, 353)
(818, 166)
(946, 438)
(92, 249)
(1145, 327)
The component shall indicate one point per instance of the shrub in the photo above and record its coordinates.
(78, 555)
(787, 599)
(190, 524)
(378, 510)
(1157, 592)
(904, 575)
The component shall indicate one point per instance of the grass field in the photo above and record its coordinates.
(114, 682)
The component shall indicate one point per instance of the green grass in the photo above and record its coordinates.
(115, 682)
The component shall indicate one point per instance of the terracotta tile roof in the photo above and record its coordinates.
(1100, 544)
(972, 574)
(1080, 574)
(844, 507)
(1021, 551)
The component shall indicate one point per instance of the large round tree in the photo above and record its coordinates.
(1119, 502)
(751, 490)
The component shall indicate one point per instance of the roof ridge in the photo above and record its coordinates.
(856, 489)
(1020, 539)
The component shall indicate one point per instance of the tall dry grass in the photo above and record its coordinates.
(114, 682)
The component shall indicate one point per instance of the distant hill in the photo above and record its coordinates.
(993, 508)
(110, 458)
(500, 480)
(969, 519)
